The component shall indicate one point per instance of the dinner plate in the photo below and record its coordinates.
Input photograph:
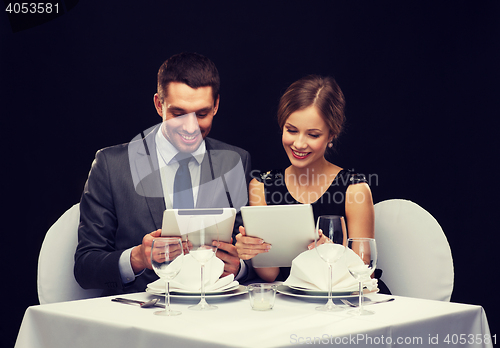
(289, 291)
(226, 288)
(180, 291)
(239, 290)
(320, 292)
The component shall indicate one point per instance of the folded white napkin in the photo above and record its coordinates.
(310, 272)
(189, 278)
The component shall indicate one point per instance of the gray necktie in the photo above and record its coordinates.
(183, 189)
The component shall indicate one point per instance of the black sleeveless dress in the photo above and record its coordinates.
(332, 202)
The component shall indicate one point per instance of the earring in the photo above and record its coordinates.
(330, 145)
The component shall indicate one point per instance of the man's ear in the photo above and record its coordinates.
(216, 104)
(158, 105)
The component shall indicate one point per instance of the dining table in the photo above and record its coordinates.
(292, 322)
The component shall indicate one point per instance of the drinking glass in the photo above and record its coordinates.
(366, 248)
(330, 249)
(166, 259)
(202, 242)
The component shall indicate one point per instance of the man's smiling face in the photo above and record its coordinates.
(187, 114)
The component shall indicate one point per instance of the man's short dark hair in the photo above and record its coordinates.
(193, 69)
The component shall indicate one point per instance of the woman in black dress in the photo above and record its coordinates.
(311, 116)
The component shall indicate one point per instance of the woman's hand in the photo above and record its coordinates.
(247, 247)
(321, 240)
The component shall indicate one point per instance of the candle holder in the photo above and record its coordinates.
(261, 296)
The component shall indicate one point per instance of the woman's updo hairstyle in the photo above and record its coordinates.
(322, 92)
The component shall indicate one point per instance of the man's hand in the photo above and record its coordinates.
(140, 257)
(228, 254)
(248, 247)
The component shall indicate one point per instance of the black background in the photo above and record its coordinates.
(421, 79)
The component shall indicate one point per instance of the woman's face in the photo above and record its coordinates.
(305, 137)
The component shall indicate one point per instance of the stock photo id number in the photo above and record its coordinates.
(32, 7)
(26, 15)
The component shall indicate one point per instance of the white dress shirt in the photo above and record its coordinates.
(168, 167)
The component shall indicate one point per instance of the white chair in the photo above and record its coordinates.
(56, 282)
(413, 251)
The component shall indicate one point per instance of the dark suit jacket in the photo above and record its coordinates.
(123, 201)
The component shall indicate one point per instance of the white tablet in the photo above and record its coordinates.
(176, 222)
(288, 228)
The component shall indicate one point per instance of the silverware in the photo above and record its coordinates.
(147, 304)
(367, 303)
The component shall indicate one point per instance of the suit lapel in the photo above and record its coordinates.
(145, 163)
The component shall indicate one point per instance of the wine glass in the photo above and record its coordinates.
(202, 242)
(330, 248)
(166, 259)
(366, 248)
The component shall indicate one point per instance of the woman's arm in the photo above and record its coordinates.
(359, 211)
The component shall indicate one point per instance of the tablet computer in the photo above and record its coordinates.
(176, 222)
(288, 228)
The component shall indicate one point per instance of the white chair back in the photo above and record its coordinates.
(56, 282)
(413, 251)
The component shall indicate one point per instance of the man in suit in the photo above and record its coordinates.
(130, 185)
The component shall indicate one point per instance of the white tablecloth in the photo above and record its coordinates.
(293, 322)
